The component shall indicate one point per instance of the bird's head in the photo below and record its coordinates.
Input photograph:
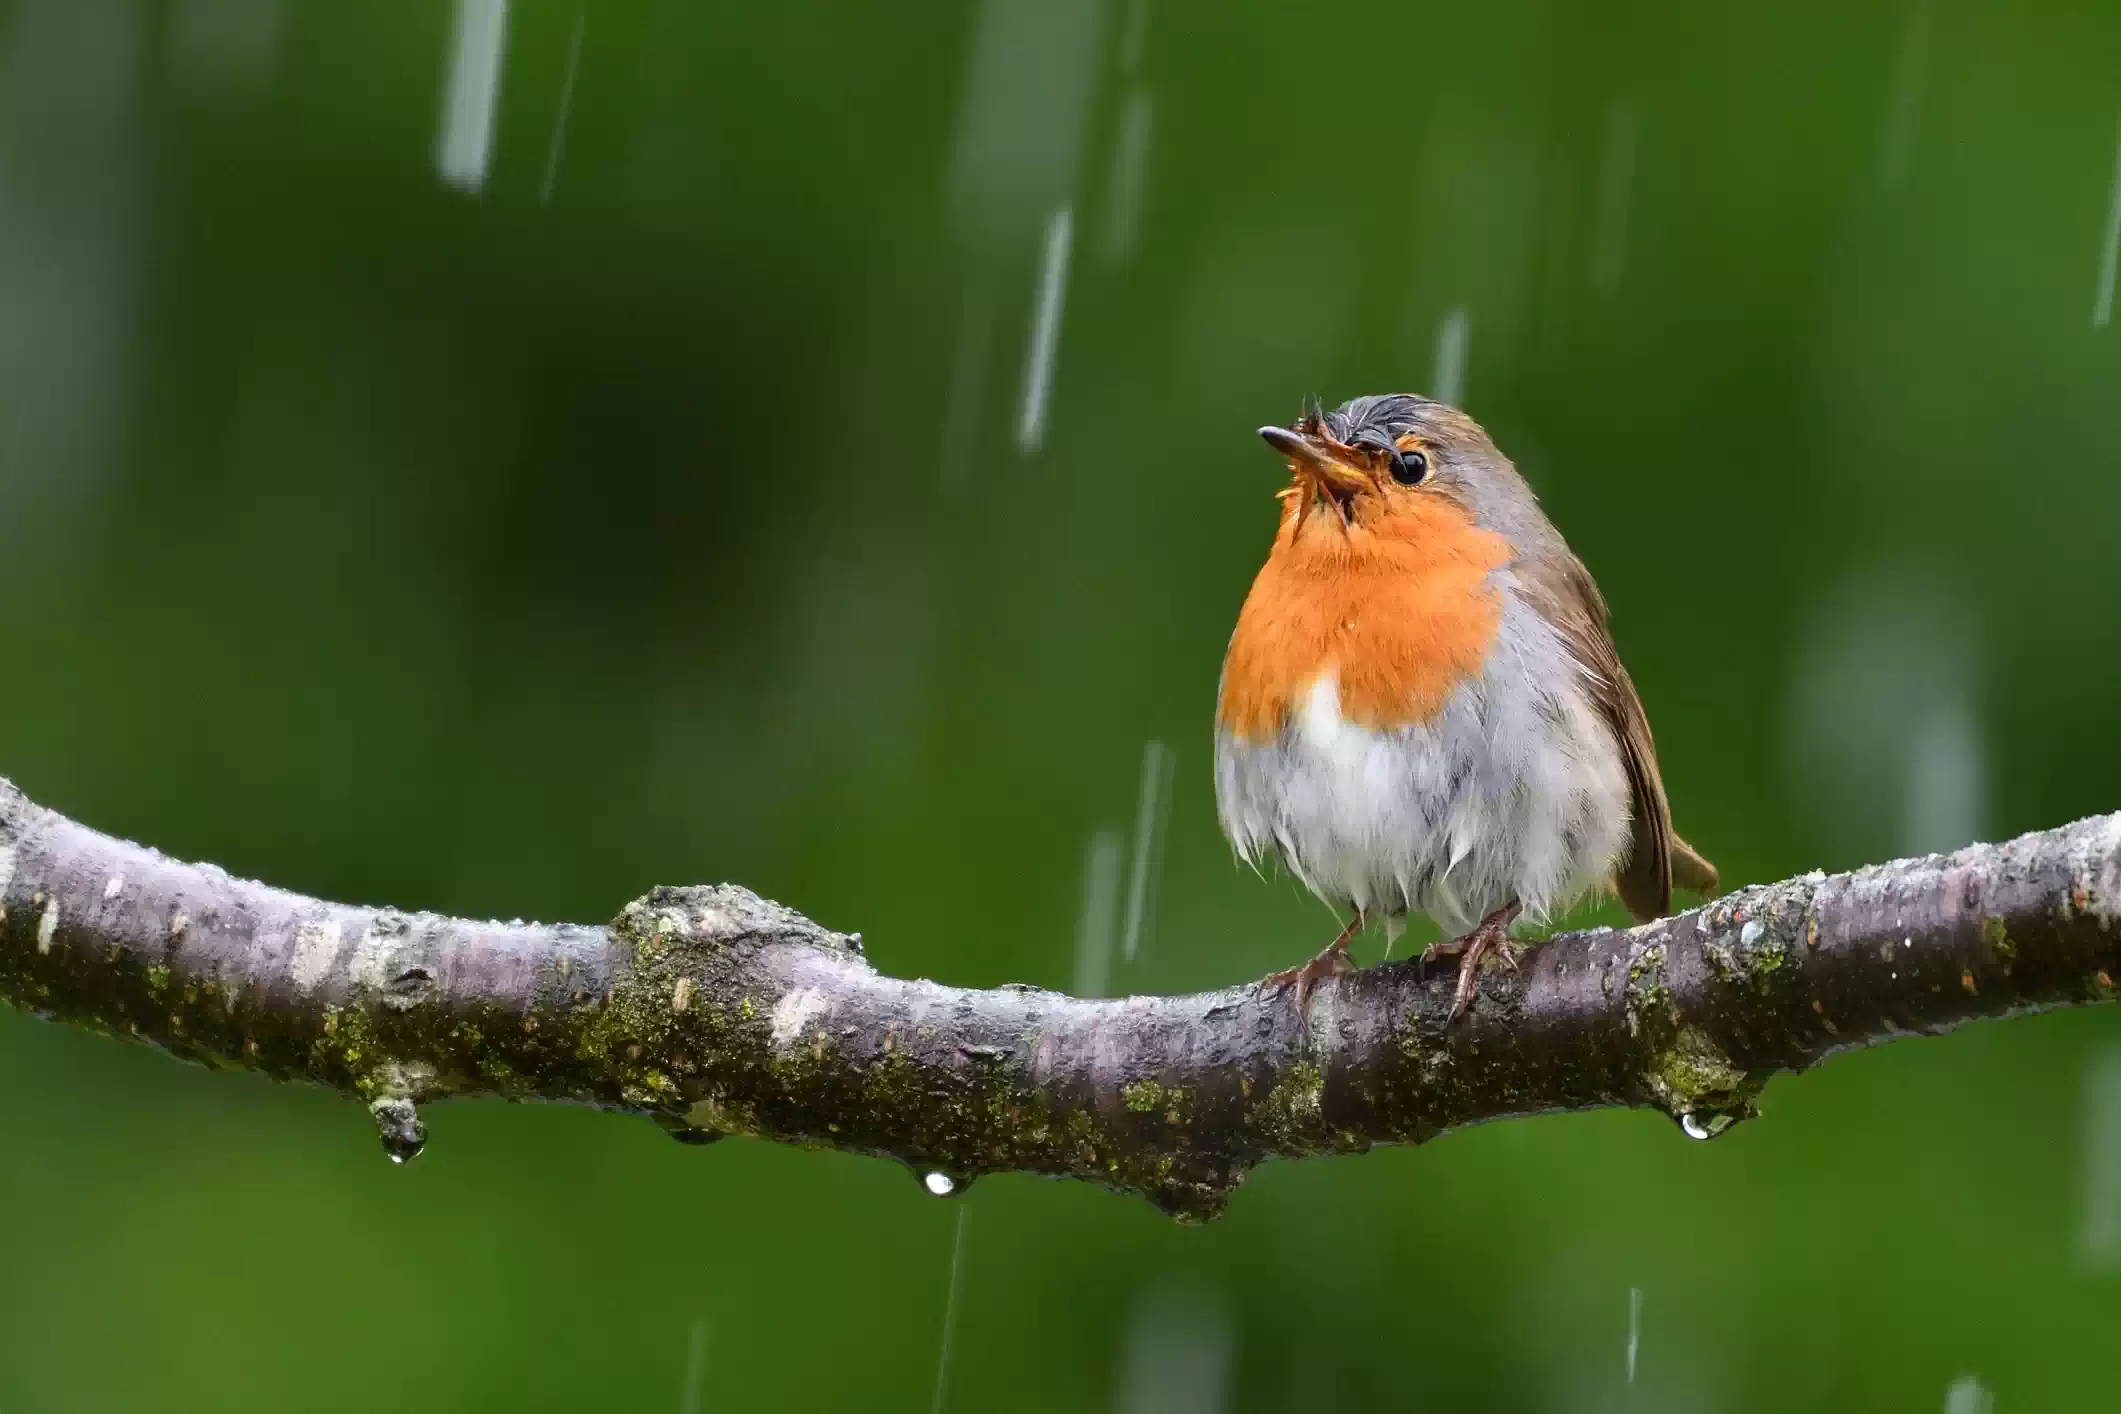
(1388, 461)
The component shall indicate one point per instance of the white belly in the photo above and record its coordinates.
(1514, 790)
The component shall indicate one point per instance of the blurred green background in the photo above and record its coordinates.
(666, 483)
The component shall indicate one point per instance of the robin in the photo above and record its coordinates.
(1421, 708)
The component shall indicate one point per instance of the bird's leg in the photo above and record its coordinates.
(1333, 959)
(1491, 935)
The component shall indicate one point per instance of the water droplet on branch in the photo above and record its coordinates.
(1705, 1125)
(941, 1183)
(398, 1125)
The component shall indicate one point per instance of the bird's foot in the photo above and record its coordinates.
(1327, 964)
(1491, 935)
(1330, 962)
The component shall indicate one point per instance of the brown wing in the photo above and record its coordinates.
(1570, 600)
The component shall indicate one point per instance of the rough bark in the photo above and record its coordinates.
(718, 1012)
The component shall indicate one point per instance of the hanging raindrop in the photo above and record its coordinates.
(677, 1128)
(1706, 1125)
(941, 1183)
(696, 1136)
(398, 1125)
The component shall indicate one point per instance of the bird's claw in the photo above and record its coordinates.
(1333, 960)
(1330, 963)
(1442, 947)
(1493, 935)
(1508, 949)
(1468, 983)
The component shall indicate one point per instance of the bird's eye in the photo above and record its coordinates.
(1408, 468)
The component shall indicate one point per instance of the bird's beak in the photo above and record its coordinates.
(1319, 460)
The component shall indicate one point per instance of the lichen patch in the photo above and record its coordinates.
(2096, 865)
(375, 958)
(796, 1010)
(316, 949)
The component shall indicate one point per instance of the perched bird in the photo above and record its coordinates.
(1421, 708)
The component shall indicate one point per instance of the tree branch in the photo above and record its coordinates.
(718, 1012)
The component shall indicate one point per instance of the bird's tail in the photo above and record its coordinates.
(1690, 870)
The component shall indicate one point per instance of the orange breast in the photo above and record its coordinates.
(1397, 606)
